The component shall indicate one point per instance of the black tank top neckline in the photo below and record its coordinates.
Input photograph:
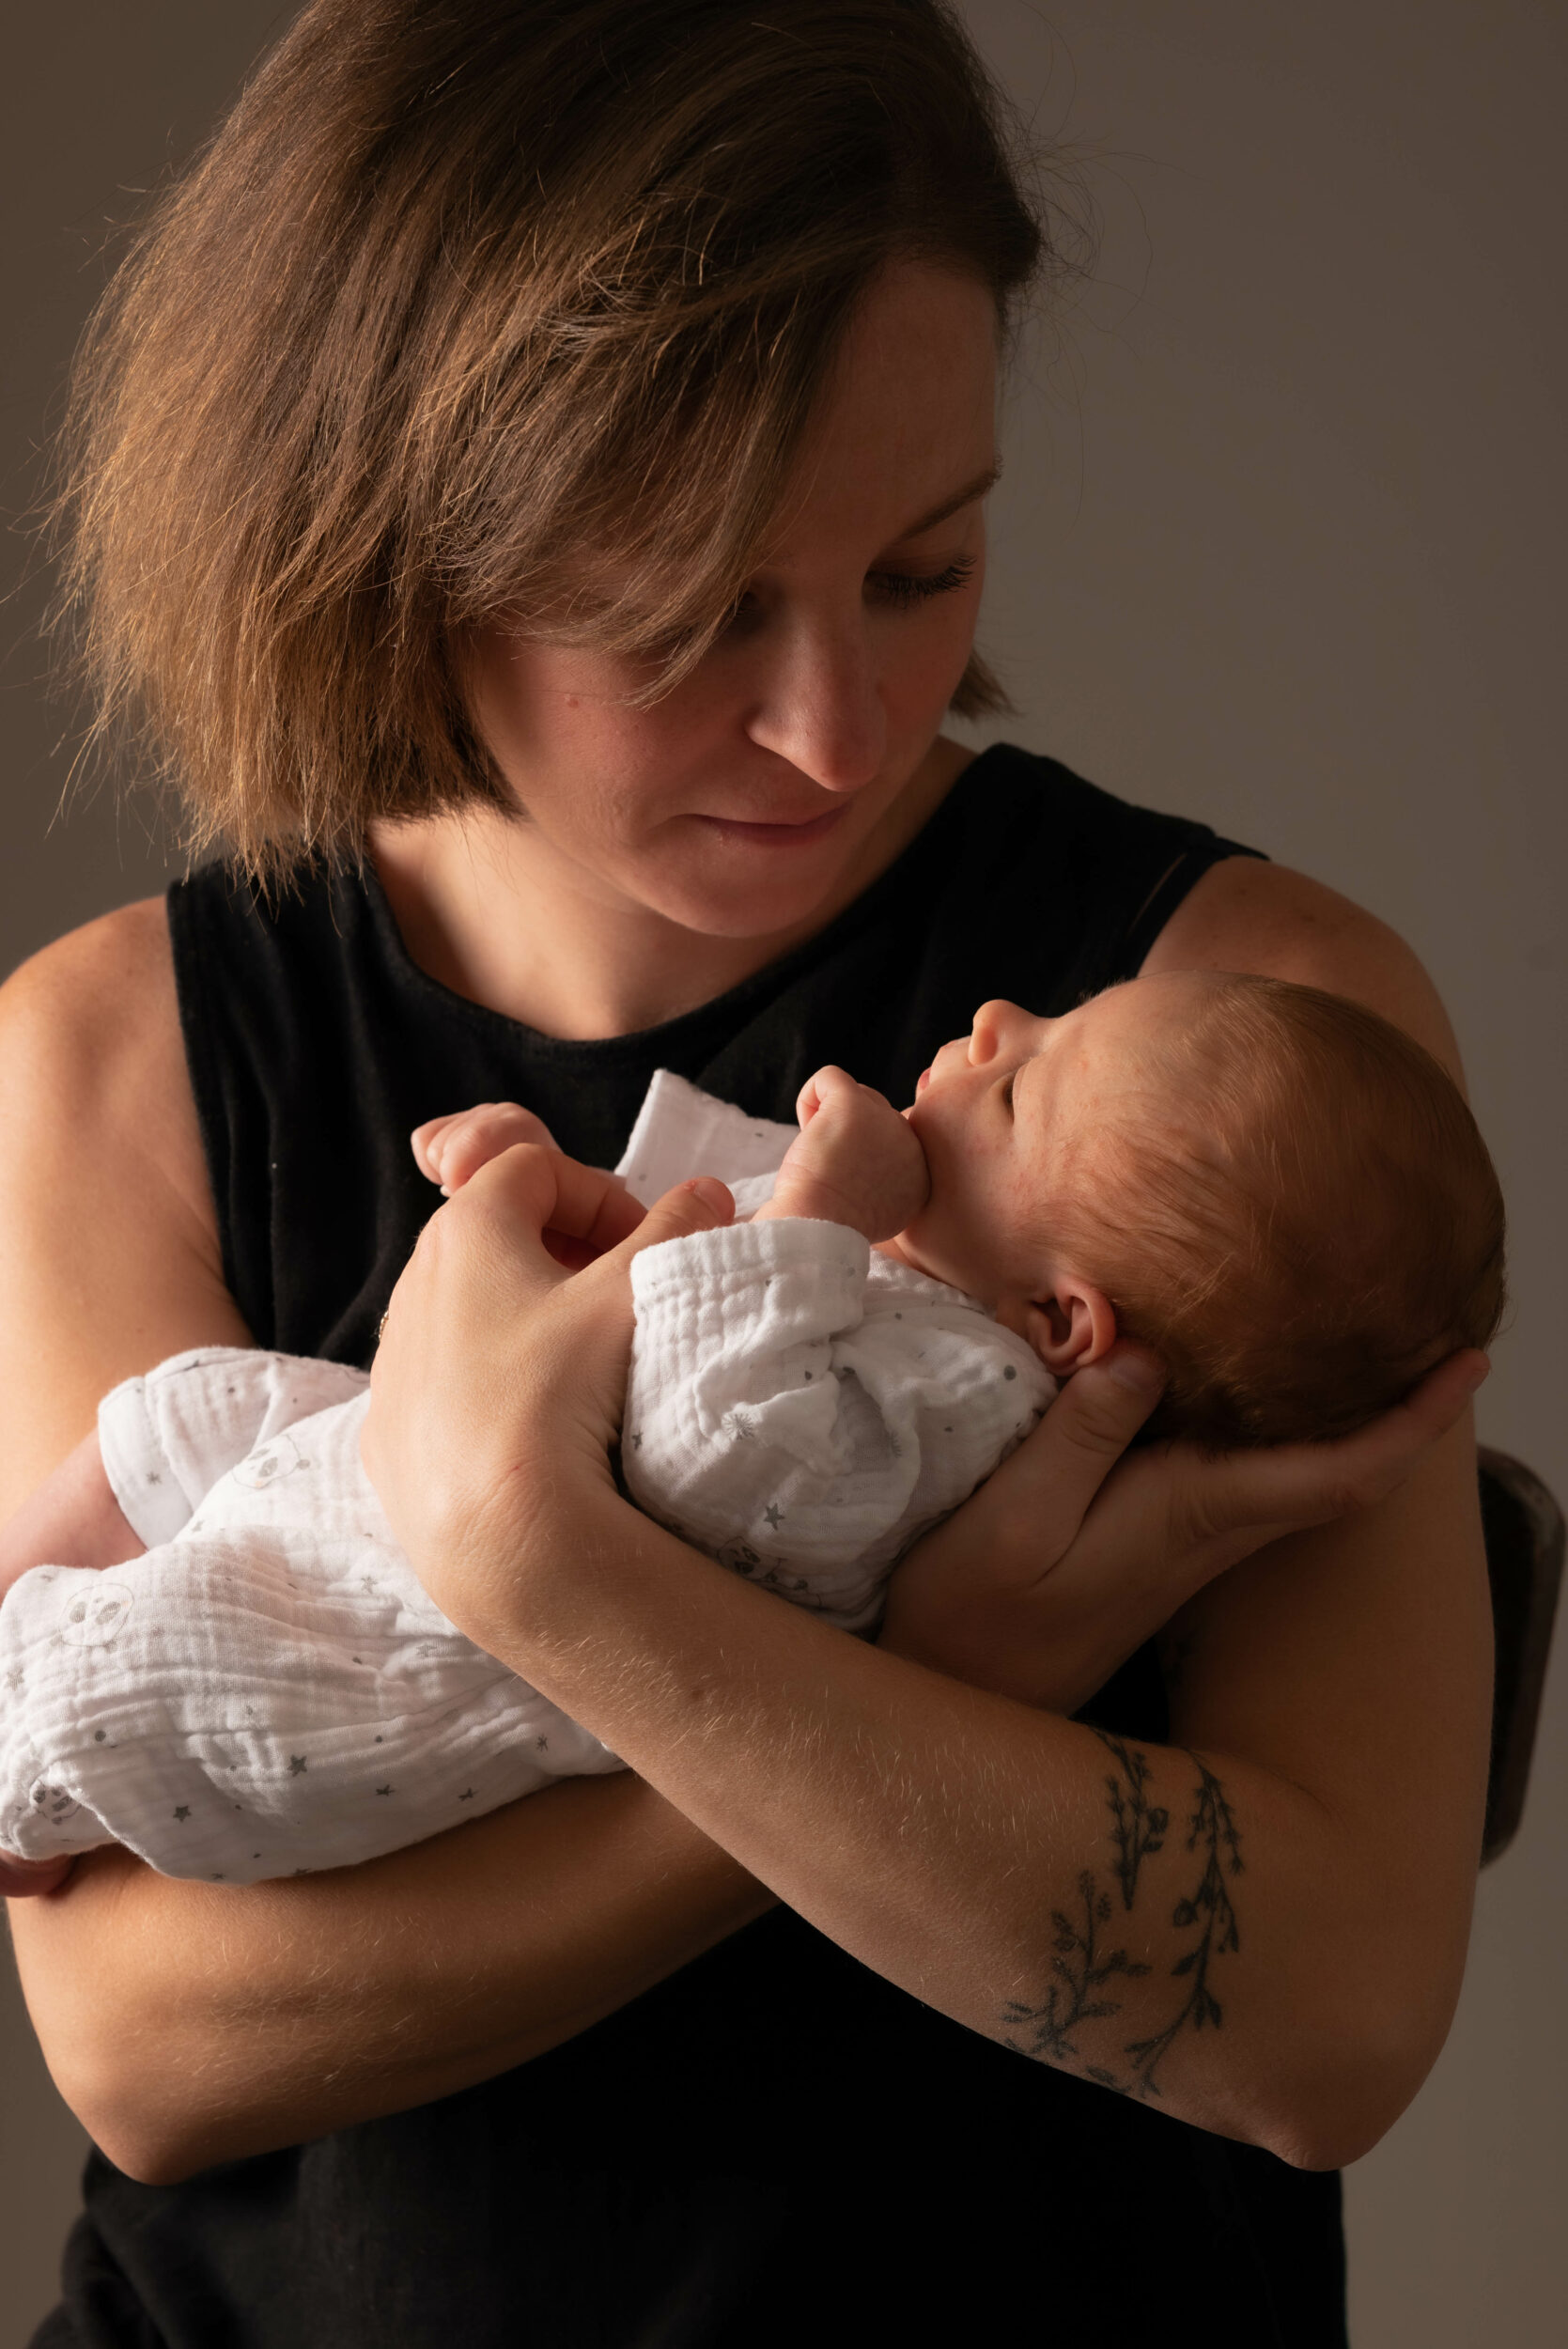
(594, 1054)
(774, 2145)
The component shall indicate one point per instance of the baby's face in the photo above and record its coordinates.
(1011, 1118)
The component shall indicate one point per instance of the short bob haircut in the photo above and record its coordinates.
(463, 289)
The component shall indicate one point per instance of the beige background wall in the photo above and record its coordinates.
(1280, 547)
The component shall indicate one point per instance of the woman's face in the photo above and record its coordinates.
(763, 789)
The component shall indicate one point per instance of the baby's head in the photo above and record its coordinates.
(1274, 1190)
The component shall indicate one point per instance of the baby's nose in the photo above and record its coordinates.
(994, 1026)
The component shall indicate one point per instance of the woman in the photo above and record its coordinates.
(543, 450)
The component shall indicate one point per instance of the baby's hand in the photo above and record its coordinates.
(855, 1160)
(451, 1150)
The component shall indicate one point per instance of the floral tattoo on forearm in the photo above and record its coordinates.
(1083, 1961)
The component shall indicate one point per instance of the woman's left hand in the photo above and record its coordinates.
(501, 1374)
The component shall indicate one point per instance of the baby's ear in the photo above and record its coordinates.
(1071, 1328)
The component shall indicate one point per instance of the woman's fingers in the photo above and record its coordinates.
(526, 1222)
(500, 1370)
(529, 1189)
(1257, 1495)
(699, 1205)
(1084, 1434)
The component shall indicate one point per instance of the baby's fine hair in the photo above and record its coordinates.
(1317, 1227)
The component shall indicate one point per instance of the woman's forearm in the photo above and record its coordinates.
(1182, 1926)
(187, 2026)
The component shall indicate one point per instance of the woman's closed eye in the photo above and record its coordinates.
(905, 589)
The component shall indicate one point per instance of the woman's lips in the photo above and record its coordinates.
(786, 835)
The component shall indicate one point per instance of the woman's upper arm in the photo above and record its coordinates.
(108, 1254)
(1355, 1660)
(1245, 915)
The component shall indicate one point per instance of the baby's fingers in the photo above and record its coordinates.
(451, 1150)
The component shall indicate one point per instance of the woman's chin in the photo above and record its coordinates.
(718, 897)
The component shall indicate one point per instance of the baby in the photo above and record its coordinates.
(1275, 1190)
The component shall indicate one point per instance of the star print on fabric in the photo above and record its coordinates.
(541, 1743)
(13, 1680)
(637, 1442)
(467, 1794)
(774, 1515)
(297, 1764)
(217, 1876)
(183, 1812)
(153, 1477)
(368, 1582)
(383, 1790)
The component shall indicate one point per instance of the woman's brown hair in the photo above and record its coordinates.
(462, 289)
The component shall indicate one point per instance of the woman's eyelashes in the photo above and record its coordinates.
(906, 588)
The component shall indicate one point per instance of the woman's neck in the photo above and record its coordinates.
(484, 906)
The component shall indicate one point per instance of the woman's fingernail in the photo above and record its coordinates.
(711, 1192)
(1140, 1373)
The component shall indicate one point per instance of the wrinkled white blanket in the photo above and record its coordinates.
(269, 1690)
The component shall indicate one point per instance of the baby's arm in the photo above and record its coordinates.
(161, 1443)
(170, 1436)
(855, 1162)
(73, 1519)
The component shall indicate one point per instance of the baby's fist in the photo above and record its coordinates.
(854, 1161)
(451, 1150)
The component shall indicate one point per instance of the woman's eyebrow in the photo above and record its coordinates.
(966, 496)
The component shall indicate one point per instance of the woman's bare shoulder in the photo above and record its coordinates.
(1245, 915)
(111, 1258)
(90, 1028)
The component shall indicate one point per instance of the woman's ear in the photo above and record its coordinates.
(1071, 1328)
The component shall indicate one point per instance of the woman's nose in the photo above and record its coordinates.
(996, 1025)
(822, 709)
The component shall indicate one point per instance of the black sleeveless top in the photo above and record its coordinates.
(775, 2146)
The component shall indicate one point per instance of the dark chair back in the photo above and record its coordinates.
(1524, 1532)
